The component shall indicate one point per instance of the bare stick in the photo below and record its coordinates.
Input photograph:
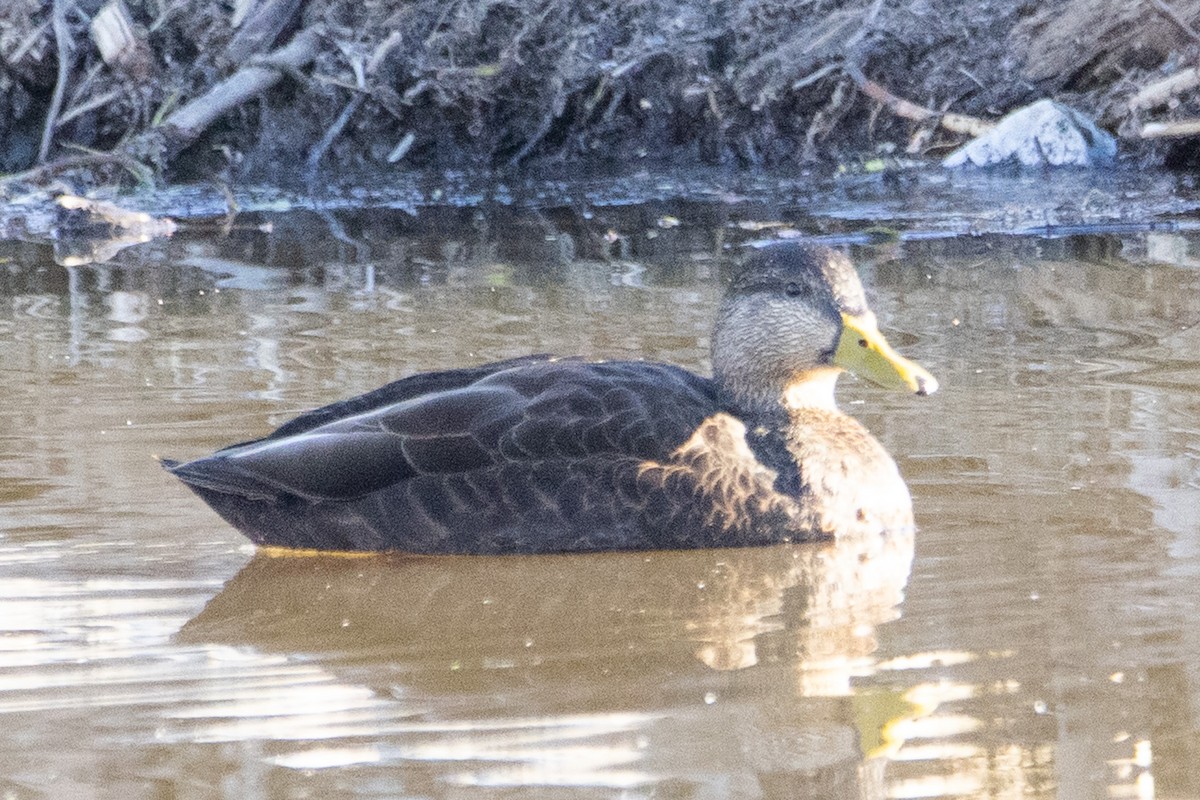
(543, 128)
(83, 108)
(1159, 92)
(26, 45)
(62, 40)
(1162, 130)
(335, 130)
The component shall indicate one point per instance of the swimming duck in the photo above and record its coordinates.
(545, 454)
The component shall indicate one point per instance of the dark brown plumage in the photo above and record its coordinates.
(544, 454)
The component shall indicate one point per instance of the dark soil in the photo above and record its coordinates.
(403, 85)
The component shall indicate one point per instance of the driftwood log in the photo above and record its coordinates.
(186, 124)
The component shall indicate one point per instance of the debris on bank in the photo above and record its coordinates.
(135, 91)
(93, 231)
(1042, 133)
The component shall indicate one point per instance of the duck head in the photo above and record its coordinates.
(794, 317)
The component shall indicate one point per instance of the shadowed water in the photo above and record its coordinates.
(1039, 638)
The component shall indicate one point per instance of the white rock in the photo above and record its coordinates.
(1044, 132)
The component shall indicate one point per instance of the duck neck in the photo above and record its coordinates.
(812, 390)
(773, 404)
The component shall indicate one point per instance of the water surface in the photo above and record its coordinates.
(1038, 638)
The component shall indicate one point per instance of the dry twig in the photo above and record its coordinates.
(825, 119)
(90, 105)
(27, 44)
(314, 157)
(43, 171)
(62, 40)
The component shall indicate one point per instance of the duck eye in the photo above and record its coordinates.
(862, 342)
(793, 290)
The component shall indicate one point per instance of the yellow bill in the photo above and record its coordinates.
(862, 350)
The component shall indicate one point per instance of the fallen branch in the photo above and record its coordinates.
(186, 124)
(1164, 130)
(956, 123)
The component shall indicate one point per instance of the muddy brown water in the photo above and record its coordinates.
(1040, 637)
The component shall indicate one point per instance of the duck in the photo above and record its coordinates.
(547, 454)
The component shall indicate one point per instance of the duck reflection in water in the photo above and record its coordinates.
(544, 454)
(699, 673)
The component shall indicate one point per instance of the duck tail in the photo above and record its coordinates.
(217, 475)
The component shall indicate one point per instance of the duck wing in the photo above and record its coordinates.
(421, 384)
(534, 411)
